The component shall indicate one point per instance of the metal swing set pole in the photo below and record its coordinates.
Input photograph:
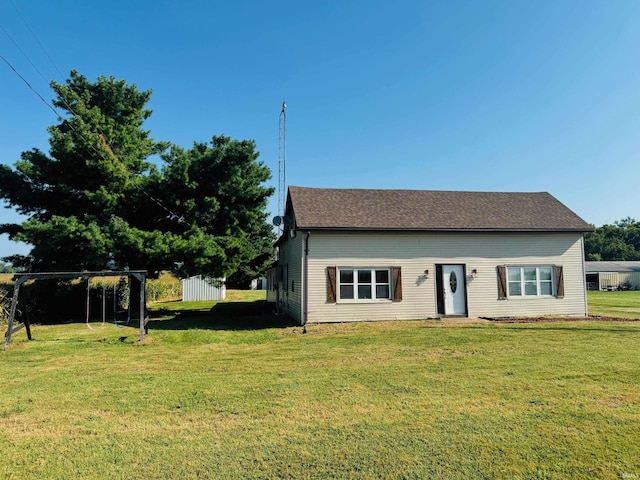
(12, 316)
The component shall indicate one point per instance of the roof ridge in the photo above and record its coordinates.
(429, 210)
(415, 190)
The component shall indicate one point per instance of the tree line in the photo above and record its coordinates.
(108, 196)
(617, 242)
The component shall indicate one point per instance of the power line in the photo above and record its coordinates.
(59, 117)
(31, 88)
(172, 215)
(180, 219)
(24, 54)
(64, 101)
(37, 40)
(45, 52)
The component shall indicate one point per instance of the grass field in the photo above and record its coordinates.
(614, 304)
(223, 391)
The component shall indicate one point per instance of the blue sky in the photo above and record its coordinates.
(457, 95)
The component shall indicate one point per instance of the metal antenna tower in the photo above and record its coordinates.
(282, 159)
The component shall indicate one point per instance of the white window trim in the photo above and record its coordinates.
(355, 285)
(523, 282)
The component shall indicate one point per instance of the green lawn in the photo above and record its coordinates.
(226, 391)
(614, 304)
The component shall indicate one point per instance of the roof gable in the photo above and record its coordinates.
(420, 210)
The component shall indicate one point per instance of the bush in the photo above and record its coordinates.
(5, 305)
(164, 289)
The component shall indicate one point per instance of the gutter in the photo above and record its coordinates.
(452, 229)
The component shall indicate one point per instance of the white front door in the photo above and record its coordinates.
(454, 283)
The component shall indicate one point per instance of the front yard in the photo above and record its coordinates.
(219, 393)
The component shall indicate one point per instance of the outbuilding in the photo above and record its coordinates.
(612, 275)
(203, 288)
(360, 255)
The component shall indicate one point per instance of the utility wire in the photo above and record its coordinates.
(31, 88)
(59, 117)
(64, 101)
(173, 215)
(24, 54)
(37, 40)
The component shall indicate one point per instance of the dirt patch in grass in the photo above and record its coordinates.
(561, 319)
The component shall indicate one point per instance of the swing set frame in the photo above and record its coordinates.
(20, 278)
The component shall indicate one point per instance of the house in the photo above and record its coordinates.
(612, 275)
(359, 255)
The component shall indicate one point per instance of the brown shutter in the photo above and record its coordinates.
(502, 282)
(331, 284)
(397, 284)
(559, 279)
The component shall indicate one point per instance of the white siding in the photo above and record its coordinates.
(272, 284)
(291, 256)
(417, 252)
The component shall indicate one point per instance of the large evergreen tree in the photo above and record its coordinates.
(96, 201)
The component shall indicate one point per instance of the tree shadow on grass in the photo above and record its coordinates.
(222, 316)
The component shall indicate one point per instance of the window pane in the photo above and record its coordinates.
(530, 288)
(515, 289)
(346, 291)
(545, 288)
(382, 276)
(364, 276)
(545, 273)
(514, 274)
(529, 273)
(364, 291)
(346, 276)
(382, 291)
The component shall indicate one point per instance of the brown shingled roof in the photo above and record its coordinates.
(360, 209)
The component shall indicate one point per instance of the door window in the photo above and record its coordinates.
(453, 282)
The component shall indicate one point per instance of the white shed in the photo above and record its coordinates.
(203, 288)
(259, 283)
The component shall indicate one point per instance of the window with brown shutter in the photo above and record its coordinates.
(331, 284)
(559, 280)
(397, 284)
(502, 282)
(349, 284)
(515, 281)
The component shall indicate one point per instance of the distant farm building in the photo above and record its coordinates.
(612, 275)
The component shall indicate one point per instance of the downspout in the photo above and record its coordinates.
(305, 293)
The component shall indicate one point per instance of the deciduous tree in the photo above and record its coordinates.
(617, 242)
